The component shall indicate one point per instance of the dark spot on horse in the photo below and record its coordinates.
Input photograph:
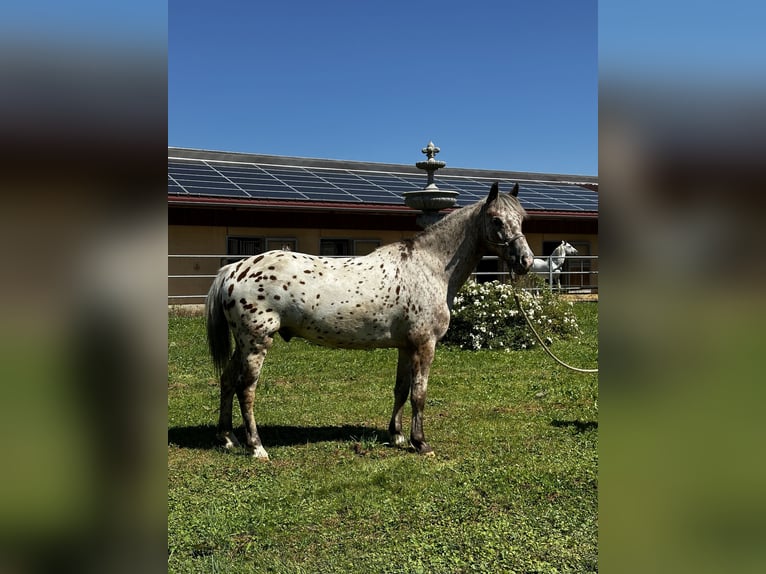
(307, 271)
(277, 297)
(261, 297)
(273, 277)
(243, 300)
(253, 310)
(243, 274)
(231, 288)
(257, 259)
(406, 248)
(229, 304)
(231, 274)
(269, 310)
(398, 287)
(317, 295)
(284, 287)
(252, 275)
(271, 268)
(302, 282)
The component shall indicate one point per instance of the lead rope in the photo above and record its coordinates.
(542, 343)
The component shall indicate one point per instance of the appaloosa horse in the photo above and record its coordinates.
(397, 296)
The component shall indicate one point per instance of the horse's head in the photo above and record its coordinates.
(568, 248)
(502, 217)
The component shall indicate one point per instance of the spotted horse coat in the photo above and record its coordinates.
(397, 296)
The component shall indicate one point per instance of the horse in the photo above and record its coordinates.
(399, 296)
(551, 267)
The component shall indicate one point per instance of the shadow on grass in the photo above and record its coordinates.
(580, 426)
(203, 436)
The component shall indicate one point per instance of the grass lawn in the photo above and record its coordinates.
(513, 486)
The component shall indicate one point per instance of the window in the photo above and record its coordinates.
(243, 246)
(332, 247)
(346, 247)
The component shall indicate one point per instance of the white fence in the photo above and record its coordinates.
(190, 276)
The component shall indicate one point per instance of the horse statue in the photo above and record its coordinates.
(399, 296)
(551, 267)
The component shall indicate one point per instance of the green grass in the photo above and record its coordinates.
(513, 486)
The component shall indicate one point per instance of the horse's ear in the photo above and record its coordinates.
(493, 193)
(515, 190)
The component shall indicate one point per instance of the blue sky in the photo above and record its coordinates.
(705, 44)
(510, 85)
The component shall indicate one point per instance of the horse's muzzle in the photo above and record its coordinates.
(523, 263)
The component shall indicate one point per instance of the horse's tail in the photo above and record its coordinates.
(218, 340)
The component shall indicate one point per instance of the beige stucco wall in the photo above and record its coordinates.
(211, 240)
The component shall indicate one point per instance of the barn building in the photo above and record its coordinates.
(222, 205)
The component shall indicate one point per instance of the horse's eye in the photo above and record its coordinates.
(497, 222)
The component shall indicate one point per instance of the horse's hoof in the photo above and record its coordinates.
(228, 440)
(423, 449)
(399, 441)
(259, 452)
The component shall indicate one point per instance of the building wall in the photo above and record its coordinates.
(190, 240)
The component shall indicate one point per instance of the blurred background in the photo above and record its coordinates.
(681, 166)
(83, 110)
(83, 224)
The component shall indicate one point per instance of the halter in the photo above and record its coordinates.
(507, 242)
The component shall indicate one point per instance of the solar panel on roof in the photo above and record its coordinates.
(262, 181)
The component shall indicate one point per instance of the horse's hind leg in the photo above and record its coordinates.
(225, 431)
(401, 390)
(246, 395)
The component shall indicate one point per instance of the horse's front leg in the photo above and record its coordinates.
(401, 390)
(420, 366)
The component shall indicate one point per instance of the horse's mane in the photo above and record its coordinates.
(513, 202)
(446, 221)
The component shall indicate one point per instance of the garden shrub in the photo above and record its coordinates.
(485, 316)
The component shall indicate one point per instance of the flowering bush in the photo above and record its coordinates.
(485, 316)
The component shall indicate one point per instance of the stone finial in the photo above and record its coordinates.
(430, 150)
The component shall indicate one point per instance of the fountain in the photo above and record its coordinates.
(430, 200)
